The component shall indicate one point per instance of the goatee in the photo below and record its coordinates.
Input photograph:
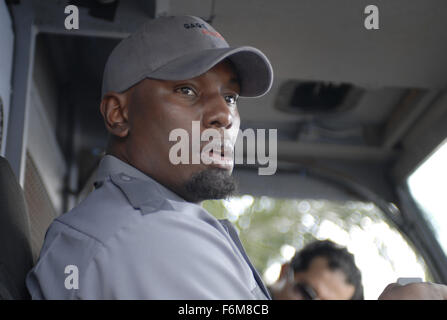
(210, 184)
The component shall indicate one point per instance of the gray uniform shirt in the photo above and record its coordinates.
(132, 238)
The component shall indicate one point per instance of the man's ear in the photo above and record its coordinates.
(285, 272)
(115, 109)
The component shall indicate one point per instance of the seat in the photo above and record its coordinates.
(15, 246)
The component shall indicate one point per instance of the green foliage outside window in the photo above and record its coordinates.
(266, 224)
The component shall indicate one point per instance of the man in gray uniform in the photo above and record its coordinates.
(141, 233)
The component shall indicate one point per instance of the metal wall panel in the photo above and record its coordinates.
(6, 51)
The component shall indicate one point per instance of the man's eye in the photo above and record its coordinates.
(231, 99)
(186, 90)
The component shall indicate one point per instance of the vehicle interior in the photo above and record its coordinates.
(360, 116)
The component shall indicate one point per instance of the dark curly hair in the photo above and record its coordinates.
(338, 258)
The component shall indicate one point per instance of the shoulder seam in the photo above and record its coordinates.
(79, 231)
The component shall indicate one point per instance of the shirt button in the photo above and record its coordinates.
(125, 178)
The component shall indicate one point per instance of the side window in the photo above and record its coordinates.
(428, 185)
(273, 229)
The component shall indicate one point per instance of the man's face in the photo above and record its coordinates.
(320, 282)
(157, 107)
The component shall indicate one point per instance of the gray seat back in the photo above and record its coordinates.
(15, 246)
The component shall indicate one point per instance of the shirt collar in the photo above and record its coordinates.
(111, 165)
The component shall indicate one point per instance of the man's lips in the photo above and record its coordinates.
(220, 155)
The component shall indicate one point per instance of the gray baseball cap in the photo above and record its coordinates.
(180, 48)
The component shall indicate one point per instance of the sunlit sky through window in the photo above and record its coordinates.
(380, 252)
(428, 185)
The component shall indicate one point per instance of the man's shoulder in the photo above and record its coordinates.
(101, 213)
(78, 236)
(124, 201)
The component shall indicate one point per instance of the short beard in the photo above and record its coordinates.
(210, 184)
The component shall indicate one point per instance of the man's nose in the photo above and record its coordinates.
(218, 114)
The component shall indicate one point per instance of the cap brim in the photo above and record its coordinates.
(252, 66)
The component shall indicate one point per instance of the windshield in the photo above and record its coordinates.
(273, 229)
(428, 186)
